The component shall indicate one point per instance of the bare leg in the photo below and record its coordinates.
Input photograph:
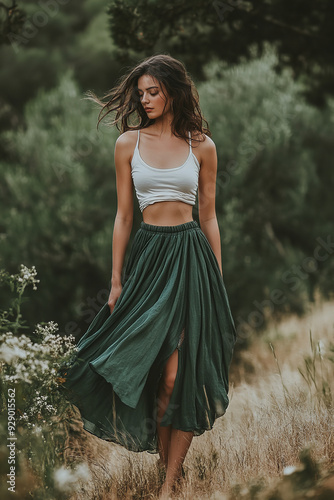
(163, 432)
(174, 442)
(178, 448)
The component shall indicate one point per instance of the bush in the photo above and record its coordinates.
(35, 418)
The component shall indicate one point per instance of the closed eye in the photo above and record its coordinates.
(141, 95)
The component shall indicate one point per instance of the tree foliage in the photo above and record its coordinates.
(198, 31)
(54, 36)
(11, 20)
(274, 186)
(58, 201)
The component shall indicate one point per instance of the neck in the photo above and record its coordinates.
(162, 124)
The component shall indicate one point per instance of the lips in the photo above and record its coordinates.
(148, 109)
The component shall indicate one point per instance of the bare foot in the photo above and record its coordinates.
(168, 489)
(165, 494)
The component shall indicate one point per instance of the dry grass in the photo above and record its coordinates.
(275, 412)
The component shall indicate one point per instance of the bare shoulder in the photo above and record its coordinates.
(126, 143)
(206, 149)
(127, 138)
(208, 145)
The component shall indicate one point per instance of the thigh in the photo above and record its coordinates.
(171, 365)
(170, 368)
(169, 372)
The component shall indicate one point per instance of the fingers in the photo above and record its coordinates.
(112, 304)
(113, 297)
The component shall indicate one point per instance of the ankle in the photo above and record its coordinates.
(166, 490)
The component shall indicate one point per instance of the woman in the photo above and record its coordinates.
(152, 369)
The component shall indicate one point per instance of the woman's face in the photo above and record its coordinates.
(151, 97)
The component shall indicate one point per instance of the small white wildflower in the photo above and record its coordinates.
(82, 472)
(64, 479)
(27, 276)
(289, 469)
(37, 430)
(9, 354)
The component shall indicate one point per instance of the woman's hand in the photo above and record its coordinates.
(115, 292)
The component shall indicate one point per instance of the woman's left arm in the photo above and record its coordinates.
(207, 197)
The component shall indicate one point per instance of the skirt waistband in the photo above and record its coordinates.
(169, 229)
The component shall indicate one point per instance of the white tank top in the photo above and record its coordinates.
(154, 184)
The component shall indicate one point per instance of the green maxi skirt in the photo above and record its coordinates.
(173, 297)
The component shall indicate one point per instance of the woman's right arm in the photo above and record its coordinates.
(124, 216)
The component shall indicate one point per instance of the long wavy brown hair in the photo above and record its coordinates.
(124, 99)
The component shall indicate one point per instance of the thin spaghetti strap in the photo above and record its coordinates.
(137, 139)
(136, 149)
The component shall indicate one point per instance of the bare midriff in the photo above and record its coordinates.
(167, 213)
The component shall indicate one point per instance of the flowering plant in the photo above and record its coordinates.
(30, 381)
